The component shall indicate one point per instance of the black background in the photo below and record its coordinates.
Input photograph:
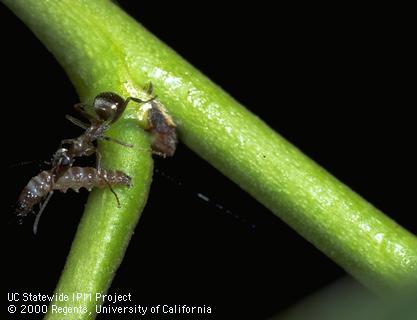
(333, 81)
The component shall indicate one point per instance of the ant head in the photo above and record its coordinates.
(61, 158)
(109, 106)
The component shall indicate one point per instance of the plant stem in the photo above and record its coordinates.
(96, 42)
(346, 300)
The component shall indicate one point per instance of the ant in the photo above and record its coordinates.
(108, 108)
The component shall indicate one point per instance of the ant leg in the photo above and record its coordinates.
(38, 216)
(98, 164)
(107, 138)
(67, 141)
(112, 191)
(77, 122)
(98, 161)
(80, 107)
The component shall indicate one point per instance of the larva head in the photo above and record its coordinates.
(109, 106)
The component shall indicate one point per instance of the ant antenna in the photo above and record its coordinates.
(107, 138)
(98, 164)
(38, 216)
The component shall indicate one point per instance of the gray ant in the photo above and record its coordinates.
(108, 108)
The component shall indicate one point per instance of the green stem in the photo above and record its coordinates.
(96, 42)
(346, 300)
